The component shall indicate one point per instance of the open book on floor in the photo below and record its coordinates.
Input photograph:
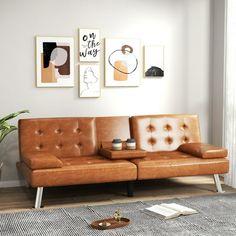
(170, 210)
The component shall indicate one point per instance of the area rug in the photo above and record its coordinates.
(217, 216)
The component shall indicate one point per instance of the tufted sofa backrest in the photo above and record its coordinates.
(112, 127)
(59, 136)
(164, 132)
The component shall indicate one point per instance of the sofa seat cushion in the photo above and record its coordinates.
(81, 170)
(173, 164)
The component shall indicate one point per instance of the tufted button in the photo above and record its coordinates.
(185, 139)
(167, 127)
(78, 131)
(152, 141)
(39, 132)
(58, 131)
(59, 146)
(151, 128)
(184, 126)
(169, 140)
(39, 147)
(77, 145)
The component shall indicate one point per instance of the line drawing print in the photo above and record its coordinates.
(90, 83)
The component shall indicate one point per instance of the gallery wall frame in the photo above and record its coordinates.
(54, 61)
(122, 62)
(153, 61)
(89, 45)
(89, 81)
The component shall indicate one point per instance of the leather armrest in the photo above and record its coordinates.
(41, 160)
(203, 150)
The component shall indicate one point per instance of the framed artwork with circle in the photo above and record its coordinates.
(122, 62)
(54, 61)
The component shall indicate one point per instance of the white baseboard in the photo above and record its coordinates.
(12, 183)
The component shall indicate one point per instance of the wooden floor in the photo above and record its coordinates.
(22, 198)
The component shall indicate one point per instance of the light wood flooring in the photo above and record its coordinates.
(22, 198)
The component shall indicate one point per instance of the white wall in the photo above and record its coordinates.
(182, 26)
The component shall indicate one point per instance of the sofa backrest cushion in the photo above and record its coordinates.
(58, 136)
(112, 127)
(164, 132)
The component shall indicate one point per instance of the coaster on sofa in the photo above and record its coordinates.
(122, 154)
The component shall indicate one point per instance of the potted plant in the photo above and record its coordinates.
(6, 128)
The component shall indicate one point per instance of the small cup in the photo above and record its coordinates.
(116, 144)
(130, 144)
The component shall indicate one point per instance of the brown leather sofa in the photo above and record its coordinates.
(69, 151)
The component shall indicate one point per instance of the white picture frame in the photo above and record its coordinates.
(89, 81)
(122, 59)
(89, 45)
(54, 61)
(153, 61)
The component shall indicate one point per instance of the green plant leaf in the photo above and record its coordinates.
(12, 115)
(4, 125)
(5, 132)
(6, 128)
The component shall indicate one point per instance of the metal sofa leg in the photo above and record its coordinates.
(38, 199)
(218, 184)
(130, 190)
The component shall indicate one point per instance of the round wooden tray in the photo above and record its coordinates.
(109, 223)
